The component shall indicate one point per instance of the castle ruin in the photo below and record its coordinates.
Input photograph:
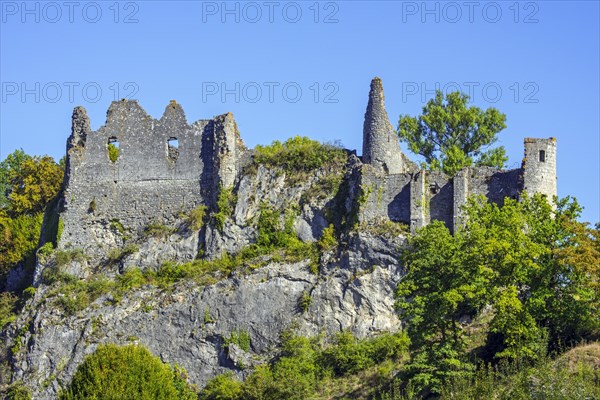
(166, 167)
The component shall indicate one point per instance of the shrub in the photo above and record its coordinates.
(64, 257)
(117, 255)
(125, 372)
(305, 301)
(225, 203)
(241, 338)
(299, 154)
(195, 219)
(350, 355)
(113, 152)
(117, 226)
(221, 387)
(328, 240)
(157, 230)
(8, 304)
(18, 391)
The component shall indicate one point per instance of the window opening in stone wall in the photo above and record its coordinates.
(542, 156)
(173, 148)
(113, 149)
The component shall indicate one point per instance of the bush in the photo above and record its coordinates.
(64, 257)
(241, 338)
(113, 152)
(117, 255)
(157, 230)
(18, 391)
(195, 219)
(225, 203)
(221, 387)
(299, 154)
(125, 372)
(8, 304)
(350, 355)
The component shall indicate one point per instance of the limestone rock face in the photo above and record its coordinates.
(189, 324)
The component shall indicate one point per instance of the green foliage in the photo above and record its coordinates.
(299, 154)
(10, 168)
(19, 238)
(36, 182)
(117, 226)
(531, 264)
(113, 152)
(125, 372)
(305, 301)
(8, 306)
(452, 136)
(222, 387)
(328, 240)
(305, 365)
(239, 337)
(64, 257)
(195, 219)
(350, 355)
(208, 319)
(18, 391)
(158, 231)
(546, 380)
(225, 203)
(117, 255)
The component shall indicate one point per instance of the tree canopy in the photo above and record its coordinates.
(530, 270)
(451, 136)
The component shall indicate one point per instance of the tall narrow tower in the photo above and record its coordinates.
(381, 146)
(539, 167)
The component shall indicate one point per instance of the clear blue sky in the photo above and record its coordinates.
(536, 61)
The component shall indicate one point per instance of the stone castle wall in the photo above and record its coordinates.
(152, 180)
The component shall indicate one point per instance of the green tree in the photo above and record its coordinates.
(438, 289)
(534, 265)
(451, 136)
(10, 168)
(126, 372)
(36, 183)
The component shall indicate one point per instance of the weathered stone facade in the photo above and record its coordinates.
(153, 181)
(164, 167)
(395, 189)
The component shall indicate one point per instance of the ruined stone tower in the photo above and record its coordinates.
(381, 147)
(539, 167)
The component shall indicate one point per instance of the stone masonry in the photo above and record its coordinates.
(396, 190)
(166, 167)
